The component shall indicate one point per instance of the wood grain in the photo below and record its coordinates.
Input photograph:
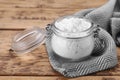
(25, 13)
(59, 78)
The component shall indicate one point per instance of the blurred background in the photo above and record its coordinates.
(19, 14)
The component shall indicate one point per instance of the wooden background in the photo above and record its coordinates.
(16, 15)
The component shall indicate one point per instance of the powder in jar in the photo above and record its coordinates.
(72, 24)
(72, 48)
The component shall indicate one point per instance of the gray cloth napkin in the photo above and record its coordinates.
(107, 16)
(100, 58)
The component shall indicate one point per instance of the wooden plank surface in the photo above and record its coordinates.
(25, 13)
(16, 15)
(60, 78)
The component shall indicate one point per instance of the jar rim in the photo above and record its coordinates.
(83, 33)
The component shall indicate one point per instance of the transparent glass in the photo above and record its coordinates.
(72, 48)
(28, 40)
(73, 45)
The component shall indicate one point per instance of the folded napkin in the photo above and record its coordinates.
(106, 16)
(100, 59)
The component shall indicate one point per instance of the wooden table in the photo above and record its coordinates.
(16, 15)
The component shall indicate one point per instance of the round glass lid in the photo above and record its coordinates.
(28, 40)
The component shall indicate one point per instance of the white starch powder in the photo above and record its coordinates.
(72, 48)
(73, 24)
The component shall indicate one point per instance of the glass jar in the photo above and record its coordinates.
(73, 45)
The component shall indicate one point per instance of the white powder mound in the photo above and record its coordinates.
(72, 24)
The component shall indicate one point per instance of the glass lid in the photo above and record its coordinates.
(28, 40)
